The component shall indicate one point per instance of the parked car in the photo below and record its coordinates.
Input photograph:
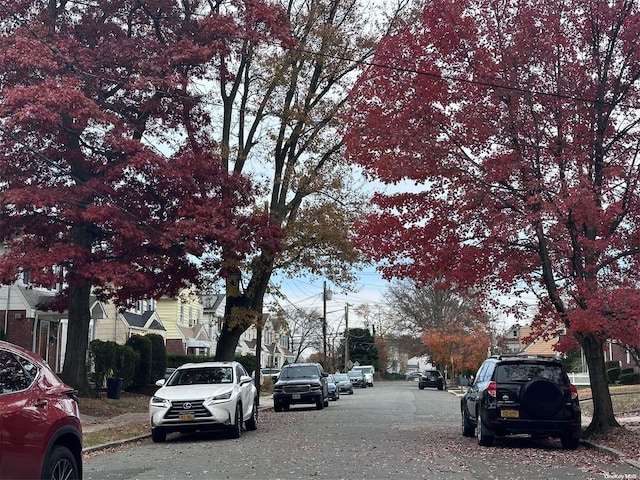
(431, 378)
(343, 382)
(368, 372)
(357, 379)
(301, 383)
(271, 373)
(41, 433)
(334, 392)
(522, 395)
(204, 396)
(415, 376)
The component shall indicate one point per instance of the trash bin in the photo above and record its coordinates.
(114, 388)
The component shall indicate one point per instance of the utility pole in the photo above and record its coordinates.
(324, 324)
(346, 338)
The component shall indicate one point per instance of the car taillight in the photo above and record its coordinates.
(492, 389)
(574, 391)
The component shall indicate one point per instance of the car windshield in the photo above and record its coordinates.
(343, 377)
(299, 372)
(202, 376)
(355, 373)
(521, 372)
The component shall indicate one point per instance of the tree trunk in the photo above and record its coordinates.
(74, 371)
(227, 342)
(603, 417)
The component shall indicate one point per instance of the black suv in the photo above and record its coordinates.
(301, 383)
(431, 378)
(521, 395)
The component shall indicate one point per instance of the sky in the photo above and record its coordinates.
(307, 294)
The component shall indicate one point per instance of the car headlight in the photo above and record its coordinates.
(222, 396)
(159, 402)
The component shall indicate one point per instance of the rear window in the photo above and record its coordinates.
(523, 372)
(299, 372)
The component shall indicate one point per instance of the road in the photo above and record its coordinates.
(392, 431)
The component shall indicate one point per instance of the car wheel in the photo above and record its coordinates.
(252, 423)
(569, 442)
(440, 388)
(235, 430)
(485, 439)
(158, 435)
(468, 430)
(277, 405)
(541, 399)
(60, 464)
(421, 387)
(320, 404)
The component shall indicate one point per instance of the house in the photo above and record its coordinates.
(275, 351)
(26, 320)
(118, 326)
(517, 340)
(182, 317)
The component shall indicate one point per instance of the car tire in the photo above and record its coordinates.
(320, 404)
(158, 435)
(421, 387)
(235, 430)
(485, 439)
(252, 423)
(468, 429)
(60, 464)
(277, 405)
(541, 399)
(569, 442)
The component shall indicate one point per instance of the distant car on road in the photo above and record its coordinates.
(334, 393)
(41, 433)
(368, 371)
(343, 382)
(204, 396)
(357, 379)
(414, 376)
(431, 378)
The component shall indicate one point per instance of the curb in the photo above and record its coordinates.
(610, 451)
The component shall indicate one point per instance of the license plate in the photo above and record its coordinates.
(187, 416)
(295, 396)
(510, 413)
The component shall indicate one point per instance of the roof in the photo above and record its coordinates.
(145, 320)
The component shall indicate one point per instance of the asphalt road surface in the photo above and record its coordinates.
(392, 431)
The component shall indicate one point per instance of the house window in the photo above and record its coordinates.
(26, 277)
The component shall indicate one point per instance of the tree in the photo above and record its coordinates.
(517, 124)
(282, 117)
(460, 349)
(431, 304)
(109, 185)
(304, 329)
(362, 348)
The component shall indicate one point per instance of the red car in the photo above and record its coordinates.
(40, 430)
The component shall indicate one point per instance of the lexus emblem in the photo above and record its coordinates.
(186, 406)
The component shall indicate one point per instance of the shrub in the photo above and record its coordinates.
(631, 378)
(142, 345)
(613, 374)
(126, 363)
(158, 356)
(103, 356)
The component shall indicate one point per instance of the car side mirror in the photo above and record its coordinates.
(160, 382)
(245, 379)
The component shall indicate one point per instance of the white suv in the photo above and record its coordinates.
(204, 396)
(367, 371)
